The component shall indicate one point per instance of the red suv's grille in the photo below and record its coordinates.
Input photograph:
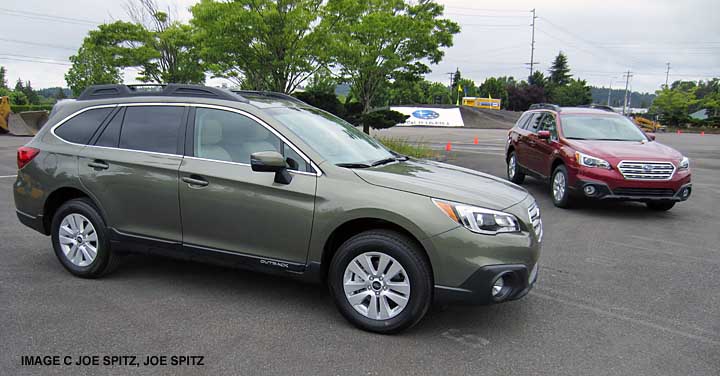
(637, 170)
(644, 192)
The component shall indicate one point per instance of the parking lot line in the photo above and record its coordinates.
(7, 176)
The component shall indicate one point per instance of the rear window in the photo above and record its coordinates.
(152, 128)
(80, 128)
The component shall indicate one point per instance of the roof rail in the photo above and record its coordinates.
(545, 106)
(267, 94)
(159, 90)
(598, 106)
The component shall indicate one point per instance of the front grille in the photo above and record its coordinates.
(636, 170)
(644, 192)
(534, 213)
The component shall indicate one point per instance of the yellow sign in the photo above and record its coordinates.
(490, 103)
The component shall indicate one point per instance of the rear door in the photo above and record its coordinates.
(527, 140)
(228, 208)
(131, 169)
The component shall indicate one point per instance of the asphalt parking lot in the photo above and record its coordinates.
(621, 291)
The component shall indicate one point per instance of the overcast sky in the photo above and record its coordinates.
(601, 39)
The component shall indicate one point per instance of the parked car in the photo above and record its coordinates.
(266, 182)
(595, 153)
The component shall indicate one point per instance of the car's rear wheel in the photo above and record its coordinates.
(80, 239)
(381, 281)
(514, 172)
(660, 205)
(559, 187)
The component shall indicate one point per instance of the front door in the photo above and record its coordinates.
(542, 150)
(227, 207)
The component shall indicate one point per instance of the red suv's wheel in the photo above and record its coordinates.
(514, 172)
(559, 187)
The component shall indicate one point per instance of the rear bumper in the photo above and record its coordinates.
(477, 289)
(35, 223)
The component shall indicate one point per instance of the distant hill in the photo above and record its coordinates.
(49, 92)
(635, 99)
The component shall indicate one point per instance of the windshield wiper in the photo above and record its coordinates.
(576, 138)
(384, 161)
(353, 165)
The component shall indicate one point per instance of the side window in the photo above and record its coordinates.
(81, 128)
(110, 136)
(152, 128)
(548, 124)
(523, 119)
(294, 161)
(229, 136)
(534, 124)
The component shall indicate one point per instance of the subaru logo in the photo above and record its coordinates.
(425, 114)
(647, 168)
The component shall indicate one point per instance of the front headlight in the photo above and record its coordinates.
(480, 220)
(684, 164)
(590, 161)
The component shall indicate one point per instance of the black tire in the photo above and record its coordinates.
(105, 260)
(410, 257)
(563, 201)
(516, 174)
(660, 205)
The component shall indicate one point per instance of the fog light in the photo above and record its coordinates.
(590, 190)
(685, 193)
(498, 286)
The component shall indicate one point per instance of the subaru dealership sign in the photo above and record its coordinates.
(431, 117)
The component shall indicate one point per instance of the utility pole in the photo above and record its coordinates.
(667, 75)
(452, 75)
(609, 92)
(532, 45)
(627, 75)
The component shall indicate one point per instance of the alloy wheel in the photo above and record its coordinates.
(511, 167)
(559, 186)
(376, 285)
(78, 239)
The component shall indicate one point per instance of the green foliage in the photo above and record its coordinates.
(322, 81)
(574, 93)
(673, 105)
(559, 71)
(378, 40)
(264, 44)
(469, 88)
(30, 107)
(538, 79)
(405, 147)
(438, 94)
(381, 119)
(18, 98)
(521, 96)
(495, 88)
(323, 100)
(91, 66)
(3, 78)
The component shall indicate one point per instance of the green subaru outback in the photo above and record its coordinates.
(265, 182)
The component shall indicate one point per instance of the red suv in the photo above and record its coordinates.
(597, 153)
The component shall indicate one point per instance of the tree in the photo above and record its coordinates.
(264, 44)
(494, 88)
(559, 71)
(322, 81)
(60, 94)
(574, 93)
(468, 88)
(19, 86)
(162, 49)
(438, 94)
(30, 93)
(381, 39)
(454, 91)
(91, 66)
(521, 96)
(537, 79)
(3, 78)
(673, 105)
(382, 119)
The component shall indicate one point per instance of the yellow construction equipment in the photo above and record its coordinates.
(490, 103)
(648, 125)
(4, 114)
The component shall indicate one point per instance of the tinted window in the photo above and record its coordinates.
(80, 128)
(152, 128)
(523, 119)
(294, 160)
(110, 136)
(229, 136)
(534, 122)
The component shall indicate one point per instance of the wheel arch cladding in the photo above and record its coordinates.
(356, 226)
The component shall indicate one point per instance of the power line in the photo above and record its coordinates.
(33, 61)
(489, 9)
(38, 44)
(49, 17)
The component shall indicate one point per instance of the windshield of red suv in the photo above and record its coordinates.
(600, 127)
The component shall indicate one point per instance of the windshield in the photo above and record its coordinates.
(336, 140)
(600, 127)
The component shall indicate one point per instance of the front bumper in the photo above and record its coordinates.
(611, 185)
(478, 288)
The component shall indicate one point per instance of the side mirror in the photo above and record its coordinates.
(651, 136)
(271, 161)
(544, 135)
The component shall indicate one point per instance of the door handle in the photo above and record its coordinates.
(99, 165)
(195, 180)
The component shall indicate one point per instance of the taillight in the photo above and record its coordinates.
(25, 155)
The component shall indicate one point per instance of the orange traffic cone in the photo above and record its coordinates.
(678, 132)
(475, 141)
(448, 147)
(702, 133)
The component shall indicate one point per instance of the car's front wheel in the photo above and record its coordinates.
(660, 205)
(381, 281)
(80, 241)
(514, 172)
(559, 187)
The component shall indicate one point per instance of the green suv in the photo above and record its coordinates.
(265, 182)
